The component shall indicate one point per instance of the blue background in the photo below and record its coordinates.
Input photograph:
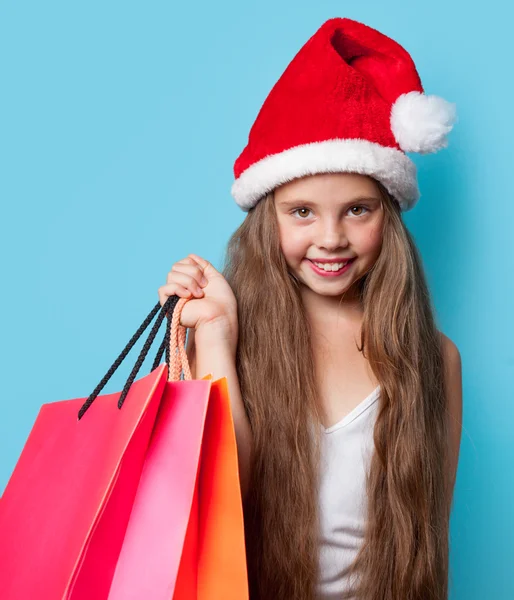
(120, 123)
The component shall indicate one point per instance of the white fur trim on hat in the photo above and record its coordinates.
(390, 166)
(421, 123)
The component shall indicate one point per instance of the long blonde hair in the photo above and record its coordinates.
(404, 555)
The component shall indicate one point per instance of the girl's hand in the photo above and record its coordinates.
(212, 306)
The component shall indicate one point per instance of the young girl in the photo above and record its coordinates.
(345, 395)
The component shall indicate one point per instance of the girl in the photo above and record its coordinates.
(345, 395)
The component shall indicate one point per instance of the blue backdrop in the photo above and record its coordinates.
(120, 122)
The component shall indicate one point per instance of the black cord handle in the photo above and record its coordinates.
(168, 307)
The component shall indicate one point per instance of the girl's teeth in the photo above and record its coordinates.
(330, 267)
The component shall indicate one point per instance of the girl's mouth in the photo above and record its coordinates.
(323, 273)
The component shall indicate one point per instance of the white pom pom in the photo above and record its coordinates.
(420, 123)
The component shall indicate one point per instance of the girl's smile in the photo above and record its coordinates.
(331, 269)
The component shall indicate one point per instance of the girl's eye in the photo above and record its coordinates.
(302, 208)
(358, 206)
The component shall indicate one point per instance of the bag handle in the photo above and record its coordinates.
(174, 340)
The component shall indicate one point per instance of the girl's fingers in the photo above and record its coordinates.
(185, 280)
(184, 291)
(186, 283)
(192, 270)
(199, 260)
(173, 289)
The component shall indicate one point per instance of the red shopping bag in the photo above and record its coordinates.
(80, 489)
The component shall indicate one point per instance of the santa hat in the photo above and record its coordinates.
(351, 100)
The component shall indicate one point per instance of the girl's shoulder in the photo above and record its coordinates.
(453, 370)
(451, 356)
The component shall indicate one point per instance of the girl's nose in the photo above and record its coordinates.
(332, 236)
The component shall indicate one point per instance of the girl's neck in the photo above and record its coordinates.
(332, 312)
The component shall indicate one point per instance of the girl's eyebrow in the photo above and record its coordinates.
(301, 202)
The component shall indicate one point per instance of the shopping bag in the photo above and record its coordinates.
(68, 506)
(187, 523)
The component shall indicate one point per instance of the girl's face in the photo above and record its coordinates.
(330, 216)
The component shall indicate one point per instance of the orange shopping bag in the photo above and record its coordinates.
(79, 505)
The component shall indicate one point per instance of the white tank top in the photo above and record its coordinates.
(345, 458)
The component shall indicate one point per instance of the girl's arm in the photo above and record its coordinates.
(208, 352)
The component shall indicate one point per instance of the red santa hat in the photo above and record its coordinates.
(351, 100)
